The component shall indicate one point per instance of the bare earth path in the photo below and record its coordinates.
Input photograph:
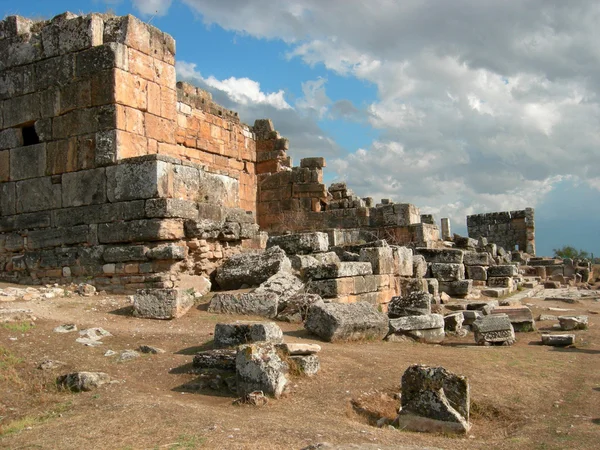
(524, 396)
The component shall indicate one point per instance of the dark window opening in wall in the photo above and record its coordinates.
(30, 137)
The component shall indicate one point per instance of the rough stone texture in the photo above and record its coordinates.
(568, 323)
(558, 340)
(495, 329)
(283, 284)
(414, 304)
(435, 394)
(337, 270)
(423, 322)
(252, 269)
(264, 305)
(454, 322)
(509, 229)
(428, 336)
(83, 381)
(506, 270)
(300, 244)
(381, 259)
(448, 272)
(296, 349)
(238, 333)
(259, 368)
(419, 266)
(478, 273)
(476, 259)
(296, 308)
(162, 303)
(441, 255)
(521, 317)
(220, 359)
(459, 288)
(403, 261)
(346, 322)
(309, 365)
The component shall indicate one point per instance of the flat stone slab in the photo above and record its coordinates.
(558, 340)
(346, 322)
(301, 243)
(429, 336)
(568, 323)
(245, 304)
(408, 323)
(294, 349)
(220, 359)
(246, 332)
(516, 314)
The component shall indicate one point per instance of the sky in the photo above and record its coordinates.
(459, 107)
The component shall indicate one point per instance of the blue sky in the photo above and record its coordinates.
(457, 107)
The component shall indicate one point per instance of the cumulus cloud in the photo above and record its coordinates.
(245, 96)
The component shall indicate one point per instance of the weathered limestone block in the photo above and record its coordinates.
(56, 237)
(477, 272)
(343, 269)
(476, 259)
(521, 317)
(162, 303)
(264, 305)
(252, 269)
(433, 287)
(403, 261)
(28, 162)
(83, 381)
(441, 255)
(506, 270)
(414, 304)
(259, 368)
(296, 308)
(296, 349)
(220, 359)
(494, 329)
(471, 316)
(171, 207)
(448, 272)
(381, 259)
(37, 194)
(454, 322)
(125, 253)
(419, 266)
(309, 365)
(242, 332)
(434, 400)
(423, 322)
(568, 323)
(429, 336)
(167, 252)
(86, 187)
(408, 285)
(460, 288)
(369, 283)
(141, 231)
(332, 288)
(302, 243)
(558, 340)
(506, 282)
(138, 179)
(339, 322)
(283, 284)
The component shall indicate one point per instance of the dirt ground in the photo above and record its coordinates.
(523, 396)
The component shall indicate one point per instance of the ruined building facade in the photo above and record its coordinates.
(513, 230)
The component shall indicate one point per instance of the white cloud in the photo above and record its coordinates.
(152, 7)
(315, 100)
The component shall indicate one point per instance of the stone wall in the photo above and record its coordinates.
(513, 230)
(109, 171)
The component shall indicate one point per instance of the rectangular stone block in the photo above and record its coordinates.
(140, 231)
(86, 187)
(56, 237)
(28, 162)
(421, 322)
(8, 199)
(476, 258)
(37, 194)
(25, 221)
(403, 261)
(441, 255)
(4, 166)
(101, 58)
(21, 110)
(478, 273)
(448, 272)
(367, 283)
(381, 259)
(459, 288)
(62, 36)
(507, 270)
(10, 138)
(108, 212)
(500, 282)
(516, 314)
(138, 180)
(171, 207)
(162, 303)
(332, 288)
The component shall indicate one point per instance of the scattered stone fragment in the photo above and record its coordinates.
(283, 284)
(8, 315)
(83, 381)
(495, 329)
(92, 336)
(66, 328)
(339, 321)
(248, 303)
(558, 340)
(255, 398)
(295, 349)
(85, 290)
(307, 364)
(246, 332)
(252, 269)
(417, 322)
(220, 359)
(162, 303)
(50, 364)
(150, 349)
(259, 368)
(547, 317)
(128, 355)
(433, 400)
(414, 304)
(296, 307)
(568, 323)
(453, 322)
(110, 353)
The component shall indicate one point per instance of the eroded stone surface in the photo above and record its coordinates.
(241, 332)
(259, 368)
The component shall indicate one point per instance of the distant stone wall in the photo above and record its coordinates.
(512, 230)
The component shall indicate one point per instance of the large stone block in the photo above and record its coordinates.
(245, 332)
(381, 258)
(333, 287)
(10, 138)
(37, 194)
(441, 255)
(478, 273)
(28, 162)
(302, 243)
(422, 322)
(162, 303)
(403, 261)
(434, 400)
(507, 270)
(8, 199)
(56, 237)
(252, 269)
(493, 329)
(460, 288)
(283, 284)
(87, 187)
(264, 305)
(108, 212)
(138, 180)
(413, 304)
(140, 231)
(569, 323)
(476, 259)
(105, 57)
(343, 269)
(65, 36)
(172, 207)
(506, 282)
(341, 322)
(125, 253)
(448, 272)
(259, 368)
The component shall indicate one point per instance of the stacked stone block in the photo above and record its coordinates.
(512, 230)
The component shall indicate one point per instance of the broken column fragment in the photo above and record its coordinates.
(433, 400)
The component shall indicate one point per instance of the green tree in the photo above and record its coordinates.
(568, 251)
